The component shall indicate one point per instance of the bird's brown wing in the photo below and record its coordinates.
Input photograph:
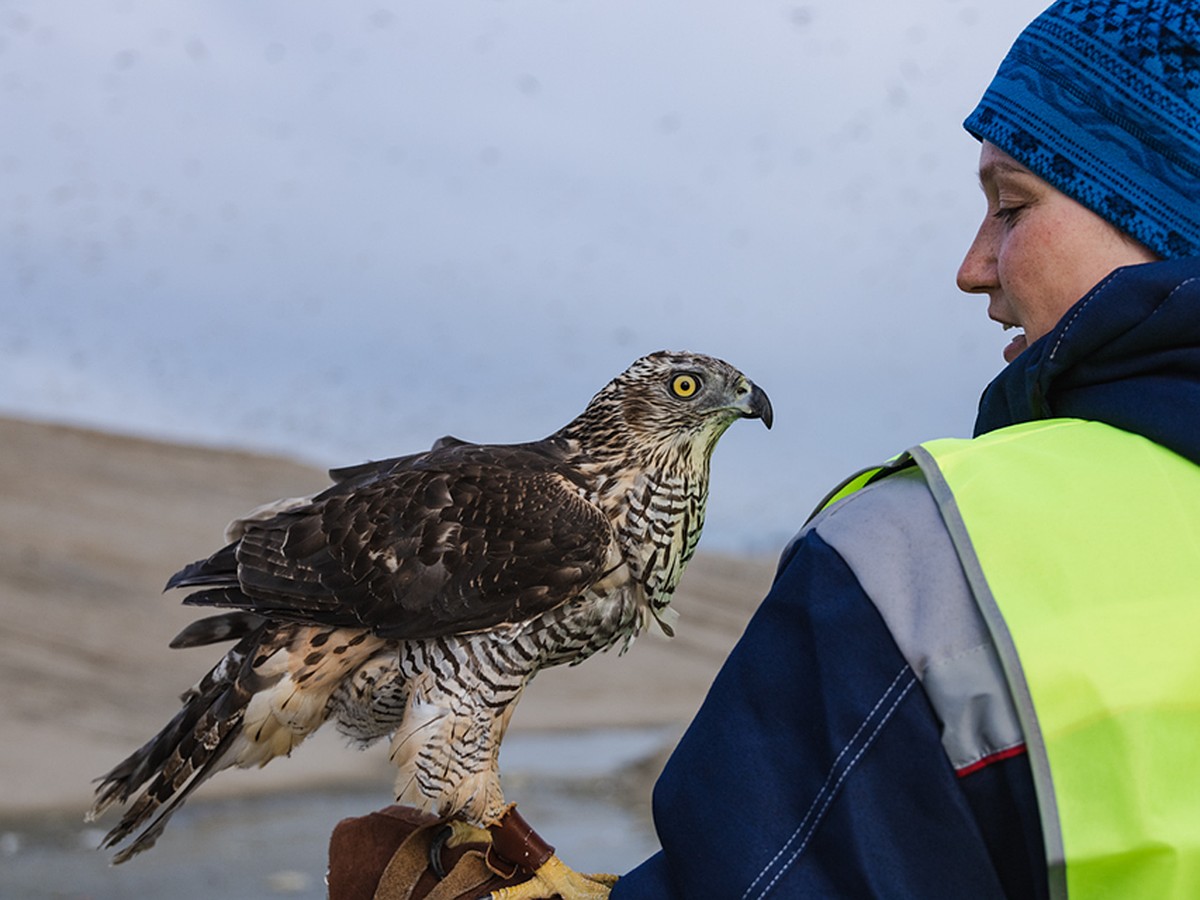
(458, 539)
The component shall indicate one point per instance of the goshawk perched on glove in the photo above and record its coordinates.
(416, 597)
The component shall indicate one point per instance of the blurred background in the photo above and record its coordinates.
(339, 232)
(330, 233)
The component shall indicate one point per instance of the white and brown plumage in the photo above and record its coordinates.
(417, 596)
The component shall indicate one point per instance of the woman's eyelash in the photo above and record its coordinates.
(1009, 213)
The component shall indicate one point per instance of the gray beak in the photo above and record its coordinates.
(757, 405)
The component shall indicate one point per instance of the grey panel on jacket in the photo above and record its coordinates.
(892, 537)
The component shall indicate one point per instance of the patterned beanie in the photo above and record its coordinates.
(1101, 98)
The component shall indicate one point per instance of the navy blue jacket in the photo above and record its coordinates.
(816, 767)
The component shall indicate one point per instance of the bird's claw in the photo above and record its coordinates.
(555, 879)
(436, 843)
(453, 834)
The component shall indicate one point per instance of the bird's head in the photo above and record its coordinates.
(670, 399)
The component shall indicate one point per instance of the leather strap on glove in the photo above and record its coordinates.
(385, 855)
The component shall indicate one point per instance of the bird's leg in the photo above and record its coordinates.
(514, 844)
(463, 832)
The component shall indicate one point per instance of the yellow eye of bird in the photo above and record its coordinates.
(685, 386)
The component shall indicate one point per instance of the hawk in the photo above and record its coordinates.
(416, 597)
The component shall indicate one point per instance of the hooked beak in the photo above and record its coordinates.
(756, 405)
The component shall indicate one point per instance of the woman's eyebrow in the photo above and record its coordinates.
(989, 172)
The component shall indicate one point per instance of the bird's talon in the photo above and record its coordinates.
(555, 878)
(436, 844)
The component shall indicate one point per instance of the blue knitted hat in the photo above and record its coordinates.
(1101, 98)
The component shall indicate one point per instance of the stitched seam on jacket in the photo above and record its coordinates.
(832, 769)
(1187, 282)
(1093, 294)
(1100, 287)
(828, 791)
(834, 790)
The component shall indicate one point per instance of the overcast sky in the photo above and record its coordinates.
(338, 231)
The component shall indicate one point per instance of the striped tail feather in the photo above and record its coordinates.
(193, 746)
(230, 626)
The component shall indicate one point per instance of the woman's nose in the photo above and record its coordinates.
(977, 272)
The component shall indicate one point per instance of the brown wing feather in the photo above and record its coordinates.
(383, 466)
(458, 539)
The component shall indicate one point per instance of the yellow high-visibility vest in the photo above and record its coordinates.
(1081, 544)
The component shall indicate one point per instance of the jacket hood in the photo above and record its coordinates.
(1127, 354)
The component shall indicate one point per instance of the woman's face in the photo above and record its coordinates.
(1037, 251)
